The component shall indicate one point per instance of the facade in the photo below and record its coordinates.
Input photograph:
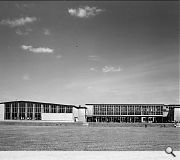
(27, 110)
(174, 112)
(132, 113)
(128, 113)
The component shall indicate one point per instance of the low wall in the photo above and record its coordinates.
(63, 117)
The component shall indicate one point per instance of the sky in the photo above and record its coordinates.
(89, 52)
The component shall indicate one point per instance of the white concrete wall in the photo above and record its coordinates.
(75, 112)
(177, 114)
(89, 110)
(62, 117)
(81, 115)
(2, 112)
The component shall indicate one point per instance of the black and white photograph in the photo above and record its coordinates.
(96, 76)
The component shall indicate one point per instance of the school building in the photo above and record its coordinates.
(116, 113)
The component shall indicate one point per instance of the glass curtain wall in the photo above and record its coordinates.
(32, 110)
(125, 113)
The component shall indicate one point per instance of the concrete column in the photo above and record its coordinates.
(33, 118)
(42, 108)
(10, 110)
(65, 107)
(57, 108)
(49, 108)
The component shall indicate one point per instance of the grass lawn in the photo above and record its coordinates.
(83, 138)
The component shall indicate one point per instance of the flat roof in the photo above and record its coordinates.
(120, 104)
(40, 103)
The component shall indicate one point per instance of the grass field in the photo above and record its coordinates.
(83, 138)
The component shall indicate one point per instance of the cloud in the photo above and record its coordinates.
(58, 56)
(84, 12)
(26, 77)
(93, 58)
(46, 32)
(37, 50)
(22, 31)
(18, 21)
(93, 69)
(111, 69)
(21, 5)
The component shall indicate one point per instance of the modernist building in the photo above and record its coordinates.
(152, 113)
(27, 110)
(129, 113)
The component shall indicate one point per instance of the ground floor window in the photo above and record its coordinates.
(14, 116)
(37, 116)
(124, 119)
(29, 116)
(22, 116)
(7, 116)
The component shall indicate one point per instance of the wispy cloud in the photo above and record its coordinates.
(111, 69)
(23, 31)
(93, 58)
(20, 32)
(93, 69)
(21, 5)
(37, 50)
(84, 12)
(46, 32)
(17, 22)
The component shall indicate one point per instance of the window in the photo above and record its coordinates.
(29, 107)
(137, 110)
(37, 108)
(7, 111)
(117, 110)
(159, 110)
(22, 110)
(46, 108)
(14, 110)
(123, 110)
(29, 111)
(37, 115)
(102, 110)
(109, 110)
(68, 109)
(151, 110)
(53, 108)
(61, 109)
(145, 110)
(96, 110)
(130, 110)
